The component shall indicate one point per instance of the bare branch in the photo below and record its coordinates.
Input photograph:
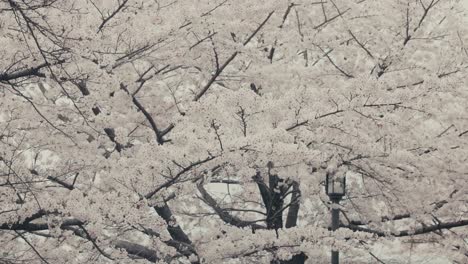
(334, 65)
(112, 15)
(222, 213)
(299, 26)
(178, 175)
(158, 133)
(329, 114)
(32, 71)
(64, 184)
(298, 124)
(426, 11)
(326, 21)
(230, 59)
(376, 258)
(463, 133)
(360, 44)
(32, 247)
(93, 241)
(214, 8)
(258, 28)
(210, 35)
(286, 13)
(408, 36)
(447, 129)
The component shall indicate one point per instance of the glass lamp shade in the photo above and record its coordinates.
(335, 186)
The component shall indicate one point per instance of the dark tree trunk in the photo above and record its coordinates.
(275, 206)
(291, 219)
(273, 197)
(175, 231)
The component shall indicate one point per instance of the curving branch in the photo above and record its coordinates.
(178, 175)
(157, 131)
(138, 250)
(104, 21)
(223, 213)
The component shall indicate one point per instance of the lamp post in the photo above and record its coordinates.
(335, 188)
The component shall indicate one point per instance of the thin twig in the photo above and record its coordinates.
(230, 59)
(360, 44)
(93, 241)
(32, 247)
(112, 15)
(334, 64)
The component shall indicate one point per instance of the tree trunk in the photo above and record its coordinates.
(299, 258)
(291, 221)
(175, 231)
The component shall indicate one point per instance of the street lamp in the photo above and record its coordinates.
(335, 188)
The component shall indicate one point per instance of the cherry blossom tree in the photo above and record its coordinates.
(136, 131)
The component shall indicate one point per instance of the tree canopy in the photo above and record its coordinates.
(172, 131)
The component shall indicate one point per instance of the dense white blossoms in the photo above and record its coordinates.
(120, 119)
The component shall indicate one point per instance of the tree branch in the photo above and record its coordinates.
(178, 175)
(222, 213)
(334, 65)
(131, 248)
(174, 229)
(32, 247)
(360, 44)
(138, 250)
(25, 73)
(158, 133)
(298, 124)
(326, 21)
(112, 15)
(418, 231)
(93, 241)
(329, 114)
(64, 184)
(25, 226)
(230, 59)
